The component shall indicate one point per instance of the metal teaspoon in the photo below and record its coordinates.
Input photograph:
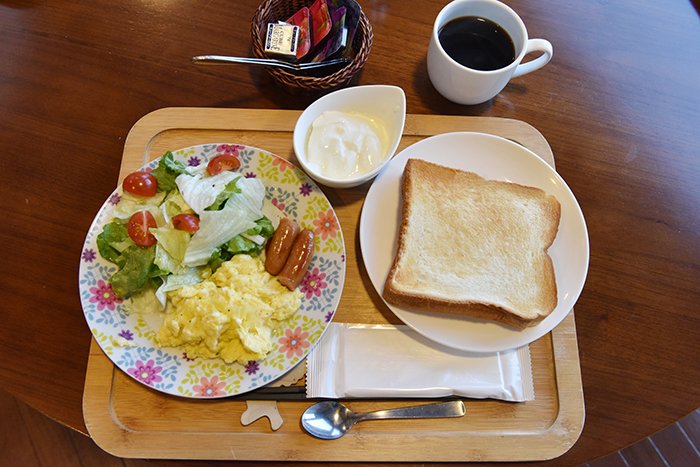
(331, 419)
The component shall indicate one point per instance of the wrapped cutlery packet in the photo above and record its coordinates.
(377, 361)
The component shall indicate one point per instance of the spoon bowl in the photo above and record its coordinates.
(332, 420)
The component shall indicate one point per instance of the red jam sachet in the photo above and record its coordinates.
(301, 19)
(320, 21)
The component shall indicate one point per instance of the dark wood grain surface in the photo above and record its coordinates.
(619, 105)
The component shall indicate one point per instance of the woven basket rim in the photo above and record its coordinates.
(265, 13)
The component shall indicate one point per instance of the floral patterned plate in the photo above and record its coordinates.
(127, 338)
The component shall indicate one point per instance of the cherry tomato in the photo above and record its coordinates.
(187, 222)
(222, 162)
(138, 226)
(140, 183)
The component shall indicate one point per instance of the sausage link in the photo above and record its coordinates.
(298, 261)
(280, 245)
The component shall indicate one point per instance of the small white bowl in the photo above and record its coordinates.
(386, 105)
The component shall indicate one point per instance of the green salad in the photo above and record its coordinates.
(175, 225)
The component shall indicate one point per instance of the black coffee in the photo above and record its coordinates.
(477, 43)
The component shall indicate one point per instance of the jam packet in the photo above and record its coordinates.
(336, 38)
(320, 21)
(383, 361)
(352, 19)
(301, 19)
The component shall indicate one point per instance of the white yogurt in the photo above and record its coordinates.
(344, 145)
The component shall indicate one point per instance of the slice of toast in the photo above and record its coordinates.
(474, 247)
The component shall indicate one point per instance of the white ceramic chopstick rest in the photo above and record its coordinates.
(259, 409)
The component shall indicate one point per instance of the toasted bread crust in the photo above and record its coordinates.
(472, 310)
(437, 192)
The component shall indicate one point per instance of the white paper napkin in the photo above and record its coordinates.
(363, 361)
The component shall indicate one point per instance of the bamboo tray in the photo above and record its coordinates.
(128, 419)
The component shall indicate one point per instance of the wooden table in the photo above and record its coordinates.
(618, 104)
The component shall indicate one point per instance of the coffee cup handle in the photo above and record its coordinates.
(535, 45)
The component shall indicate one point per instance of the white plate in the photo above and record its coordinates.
(494, 158)
(128, 338)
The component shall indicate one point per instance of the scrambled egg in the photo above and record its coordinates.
(230, 315)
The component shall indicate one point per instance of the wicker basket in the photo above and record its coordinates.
(271, 11)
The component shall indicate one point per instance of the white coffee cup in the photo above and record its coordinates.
(465, 85)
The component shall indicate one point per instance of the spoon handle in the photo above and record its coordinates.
(223, 60)
(437, 410)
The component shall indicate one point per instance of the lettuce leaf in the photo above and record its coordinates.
(264, 227)
(167, 171)
(201, 192)
(136, 272)
(172, 205)
(112, 241)
(229, 190)
(243, 243)
(170, 249)
(144, 302)
(136, 267)
(216, 228)
(249, 199)
(240, 244)
(172, 282)
(217, 258)
(129, 204)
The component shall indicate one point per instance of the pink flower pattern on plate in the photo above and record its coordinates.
(313, 283)
(277, 204)
(290, 191)
(104, 296)
(146, 372)
(281, 163)
(229, 149)
(326, 224)
(209, 387)
(294, 342)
